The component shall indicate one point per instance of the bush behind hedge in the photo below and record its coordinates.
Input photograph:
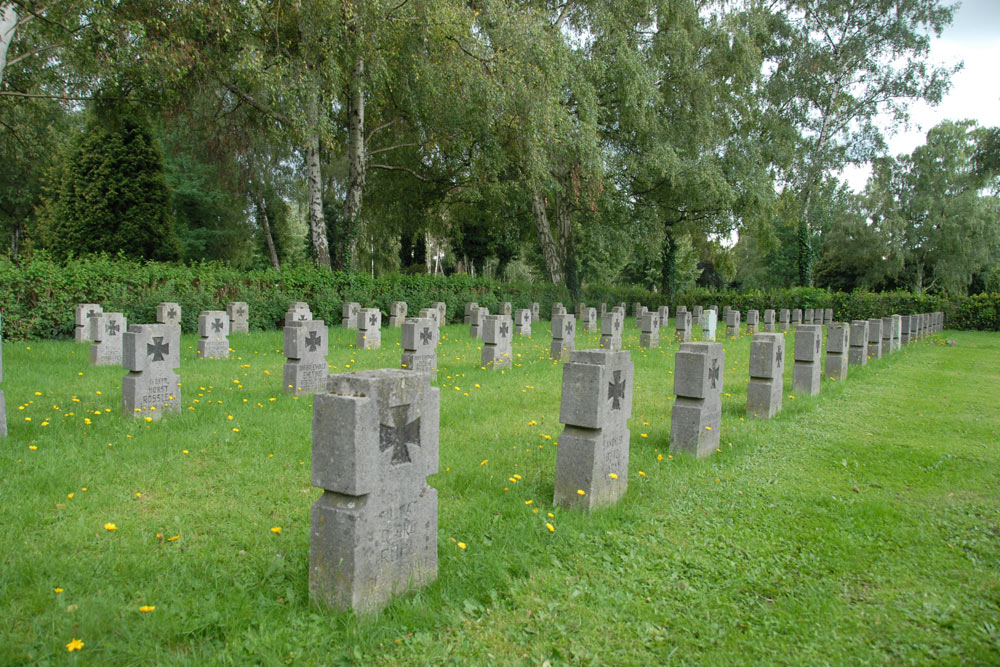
(37, 296)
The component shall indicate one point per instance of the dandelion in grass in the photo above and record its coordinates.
(551, 528)
(276, 529)
(74, 645)
(659, 457)
(110, 526)
(57, 591)
(461, 545)
(174, 538)
(642, 474)
(146, 608)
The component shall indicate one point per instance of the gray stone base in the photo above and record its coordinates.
(732, 332)
(523, 330)
(3, 416)
(769, 328)
(494, 356)
(591, 327)
(475, 331)
(695, 425)
(366, 549)
(370, 339)
(764, 397)
(858, 356)
(561, 348)
(304, 377)
(874, 350)
(81, 334)
(108, 353)
(412, 361)
(146, 395)
(649, 339)
(805, 377)
(395, 321)
(611, 342)
(585, 460)
(213, 348)
(836, 366)
(349, 322)
(239, 326)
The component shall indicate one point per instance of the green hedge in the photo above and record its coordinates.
(37, 296)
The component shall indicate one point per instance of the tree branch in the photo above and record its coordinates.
(390, 167)
(40, 49)
(390, 148)
(259, 106)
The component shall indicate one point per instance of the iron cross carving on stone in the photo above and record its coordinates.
(372, 319)
(112, 328)
(777, 356)
(313, 340)
(158, 348)
(616, 391)
(618, 324)
(504, 329)
(217, 325)
(241, 311)
(172, 313)
(400, 435)
(713, 374)
(426, 336)
(91, 313)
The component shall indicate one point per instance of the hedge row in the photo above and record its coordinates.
(37, 296)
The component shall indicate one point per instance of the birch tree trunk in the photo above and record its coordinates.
(356, 158)
(265, 225)
(552, 263)
(8, 24)
(317, 223)
(567, 250)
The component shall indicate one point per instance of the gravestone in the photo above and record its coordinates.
(696, 314)
(785, 320)
(369, 329)
(419, 340)
(828, 316)
(299, 312)
(557, 309)
(306, 345)
(3, 406)
(769, 321)
(887, 335)
(593, 448)
(664, 313)
(621, 306)
(150, 354)
(348, 315)
(649, 327)
(875, 338)
(506, 308)
(431, 314)
(374, 529)
(589, 321)
(238, 313)
(753, 321)
(904, 330)
(603, 309)
(471, 307)
(767, 364)
(838, 336)
(522, 322)
(397, 313)
(612, 324)
(682, 323)
(858, 354)
(476, 322)
(796, 317)
(732, 324)
(709, 325)
(535, 311)
(563, 336)
(696, 417)
(442, 309)
(213, 334)
(807, 369)
(637, 311)
(808, 316)
(897, 328)
(642, 312)
(168, 312)
(107, 330)
(580, 308)
(680, 309)
(81, 318)
(498, 331)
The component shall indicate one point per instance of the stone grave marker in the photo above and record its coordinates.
(150, 354)
(369, 329)
(838, 336)
(168, 312)
(593, 448)
(348, 315)
(682, 323)
(664, 313)
(828, 316)
(433, 314)
(476, 322)
(612, 324)
(753, 321)
(732, 324)
(589, 321)
(238, 313)
(897, 327)
(107, 330)
(769, 321)
(522, 322)
(649, 327)
(858, 354)
(696, 417)
(767, 364)
(563, 336)
(809, 316)
(875, 338)
(709, 324)
(603, 309)
(498, 330)
(374, 529)
(796, 317)
(306, 345)
(213, 334)
(785, 320)
(904, 329)
(419, 340)
(506, 309)
(470, 308)
(642, 312)
(81, 318)
(397, 313)
(580, 307)
(442, 309)
(806, 371)
(535, 311)
(557, 309)
(299, 312)
(637, 310)
(887, 335)
(696, 313)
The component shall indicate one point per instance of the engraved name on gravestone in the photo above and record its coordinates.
(498, 332)
(374, 529)
(696, 417)
(612, 324)
(369, 329)
(81, 319)
(708, 326)
(107, 331)
(875, 338)
(649, 327)
(838, 336)
(306, 346)
(682, 326)
(442, 309)
(397, 313)
(563, 336)
(807, 370)
(168, 312)
(150, 354)
(522, 322)
(298, 312)
(348, 315)
(213, 332)
(753, 321)
(419, 340)
(239, 316)
(592, 458)
(768, 325)
(767, 364)
(784, 319)
(858, 354)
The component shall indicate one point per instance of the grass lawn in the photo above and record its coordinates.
(857, 526)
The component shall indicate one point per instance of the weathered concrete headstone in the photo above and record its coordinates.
(589, 321)
(442, 309)
(420, 337)
(649, 327)
(213, 334)
(612, 324)
(369, 329)
(522, 322)
(348, 315)
(603, 309)
(732, 324)
(664, 313)
(3, 406)
(238, 313)
(808, 315)
(858, 354)
(838, 336)
(81, 318)
(306, 345)
(535, 311)
(796, 317)
(563, 336)
(887, 335)
(397, 313)
(709, 324)
(769, 321)
(807, 369)
(150, 354)
(594, 447)
(470, 308)
(767, 365)
(168, 312)
(682, 324)
(696, 313)
(637, 310)
(476, 322)
(580, 308)
(642, 313)
(785, 320)
(374, 529)
(897, 327)
(432, 314)
(107, 330)
(828, 316)
(696, 417)
(299, 312)
(904, 329)
(875, 338)
(557, 309)
(506, 309)
(753, 321)
(498, 330)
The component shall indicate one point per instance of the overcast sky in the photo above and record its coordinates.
(973, 37)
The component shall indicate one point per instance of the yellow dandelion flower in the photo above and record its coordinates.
(146, 608)
(581, 492)
(461, 545)
(74, 645)
(57, 590)
(551, 528)
(276, 529)
(612, 475)
(110, 526)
